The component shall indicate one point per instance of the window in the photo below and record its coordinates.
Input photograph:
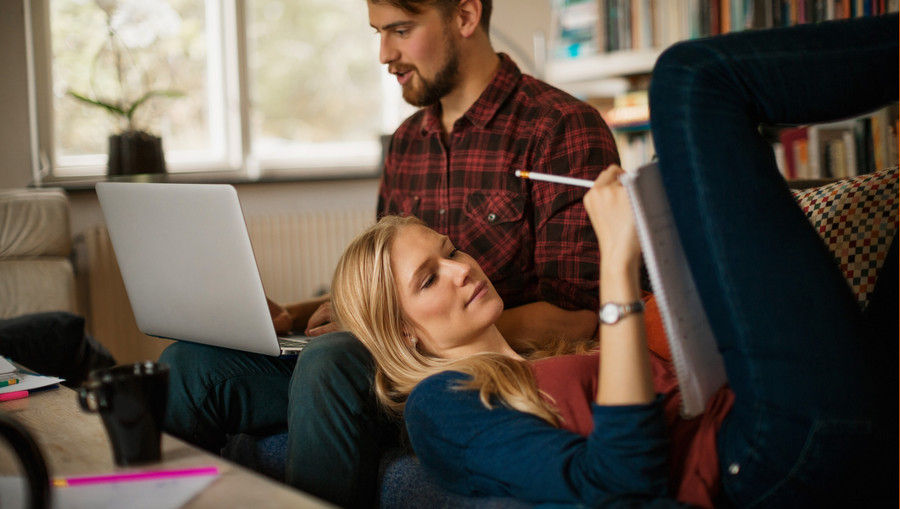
(250, 85)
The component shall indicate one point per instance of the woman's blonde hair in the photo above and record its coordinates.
(366, 303)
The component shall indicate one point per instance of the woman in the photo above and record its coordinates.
(807, 423)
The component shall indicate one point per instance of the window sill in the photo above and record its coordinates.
(83, 183)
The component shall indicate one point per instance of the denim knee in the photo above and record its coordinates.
(683, 69)
(335, 354)
(191, 364)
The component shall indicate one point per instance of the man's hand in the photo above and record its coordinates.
(542, 322)
(280, 318)
(312, 316)
(320, 322)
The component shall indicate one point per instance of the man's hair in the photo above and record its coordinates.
(445, 6)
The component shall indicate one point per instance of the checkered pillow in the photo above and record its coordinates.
(857, 218)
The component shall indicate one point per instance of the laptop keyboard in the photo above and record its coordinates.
(290, 342)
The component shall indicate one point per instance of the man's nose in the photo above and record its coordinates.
(386, 53)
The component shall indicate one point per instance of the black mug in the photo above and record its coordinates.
(131, 400)
(32, 460)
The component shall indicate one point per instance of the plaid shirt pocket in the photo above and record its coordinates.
(497, 224)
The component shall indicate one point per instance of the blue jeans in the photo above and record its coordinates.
(814, 413)
(323, 398)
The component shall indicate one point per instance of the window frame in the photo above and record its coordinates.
(237, 160)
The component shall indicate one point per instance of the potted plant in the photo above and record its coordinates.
(131, 25)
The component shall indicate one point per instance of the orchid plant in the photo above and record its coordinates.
(132, 25)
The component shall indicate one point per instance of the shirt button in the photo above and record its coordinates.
(492, 217)
(734, 468)
(442, 211)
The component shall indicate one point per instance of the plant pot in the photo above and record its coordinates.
(135, 152)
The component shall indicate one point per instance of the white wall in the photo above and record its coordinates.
(518, 20)
(15, 142)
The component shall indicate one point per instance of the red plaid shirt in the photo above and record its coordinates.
(533, 239)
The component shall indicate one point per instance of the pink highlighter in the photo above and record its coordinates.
(9, 396)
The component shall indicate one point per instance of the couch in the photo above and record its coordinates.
(36, 272)
(858, 220)
(40, 324)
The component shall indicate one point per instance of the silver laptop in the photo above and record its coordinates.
(188, 267)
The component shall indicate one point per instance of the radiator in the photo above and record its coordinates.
(296, 254)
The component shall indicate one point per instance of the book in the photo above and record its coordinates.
(695, 355)
(882, 124)
(796, 153)
(832, 149)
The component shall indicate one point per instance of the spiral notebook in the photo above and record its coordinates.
(698, 364)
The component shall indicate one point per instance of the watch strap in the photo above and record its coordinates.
(612, 312)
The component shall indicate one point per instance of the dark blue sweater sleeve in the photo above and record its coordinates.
(471, 450)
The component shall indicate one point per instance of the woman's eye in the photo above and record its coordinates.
(428, 282)
(453, 253)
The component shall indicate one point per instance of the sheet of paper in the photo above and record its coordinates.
(30, 382)
(159, 494)
(6, 366)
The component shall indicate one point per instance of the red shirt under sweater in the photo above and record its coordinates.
(571, 382)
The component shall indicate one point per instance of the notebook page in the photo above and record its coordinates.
(697, 361)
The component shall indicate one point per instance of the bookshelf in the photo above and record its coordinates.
(603, 51)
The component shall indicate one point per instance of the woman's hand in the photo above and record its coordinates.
(609, 209)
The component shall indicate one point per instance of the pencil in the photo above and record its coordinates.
(554, 178)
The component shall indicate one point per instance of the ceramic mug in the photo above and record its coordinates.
(131, 400)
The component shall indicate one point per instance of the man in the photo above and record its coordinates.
(452, 164)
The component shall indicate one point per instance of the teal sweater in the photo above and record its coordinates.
(471, 450)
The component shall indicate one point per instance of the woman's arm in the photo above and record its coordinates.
(625, 374)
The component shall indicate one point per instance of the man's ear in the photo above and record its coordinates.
(469, 16)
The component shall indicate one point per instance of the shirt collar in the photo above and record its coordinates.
(502, 85)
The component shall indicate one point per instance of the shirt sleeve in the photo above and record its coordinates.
(576, 143)
(472, 450)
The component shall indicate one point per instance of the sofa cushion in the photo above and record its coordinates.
(857, 219)
(36, 285)
(34, 222)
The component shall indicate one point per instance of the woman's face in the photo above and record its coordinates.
(443, 292)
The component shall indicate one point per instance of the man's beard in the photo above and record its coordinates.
(431, 91)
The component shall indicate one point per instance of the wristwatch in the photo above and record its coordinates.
(612, 312)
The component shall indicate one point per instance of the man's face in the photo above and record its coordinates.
(420, 49)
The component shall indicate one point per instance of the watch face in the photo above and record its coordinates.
(610, 313)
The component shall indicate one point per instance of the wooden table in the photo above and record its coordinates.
(74, 442)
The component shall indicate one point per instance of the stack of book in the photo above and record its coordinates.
(584, 26)
(840, 149)
(629, 119)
